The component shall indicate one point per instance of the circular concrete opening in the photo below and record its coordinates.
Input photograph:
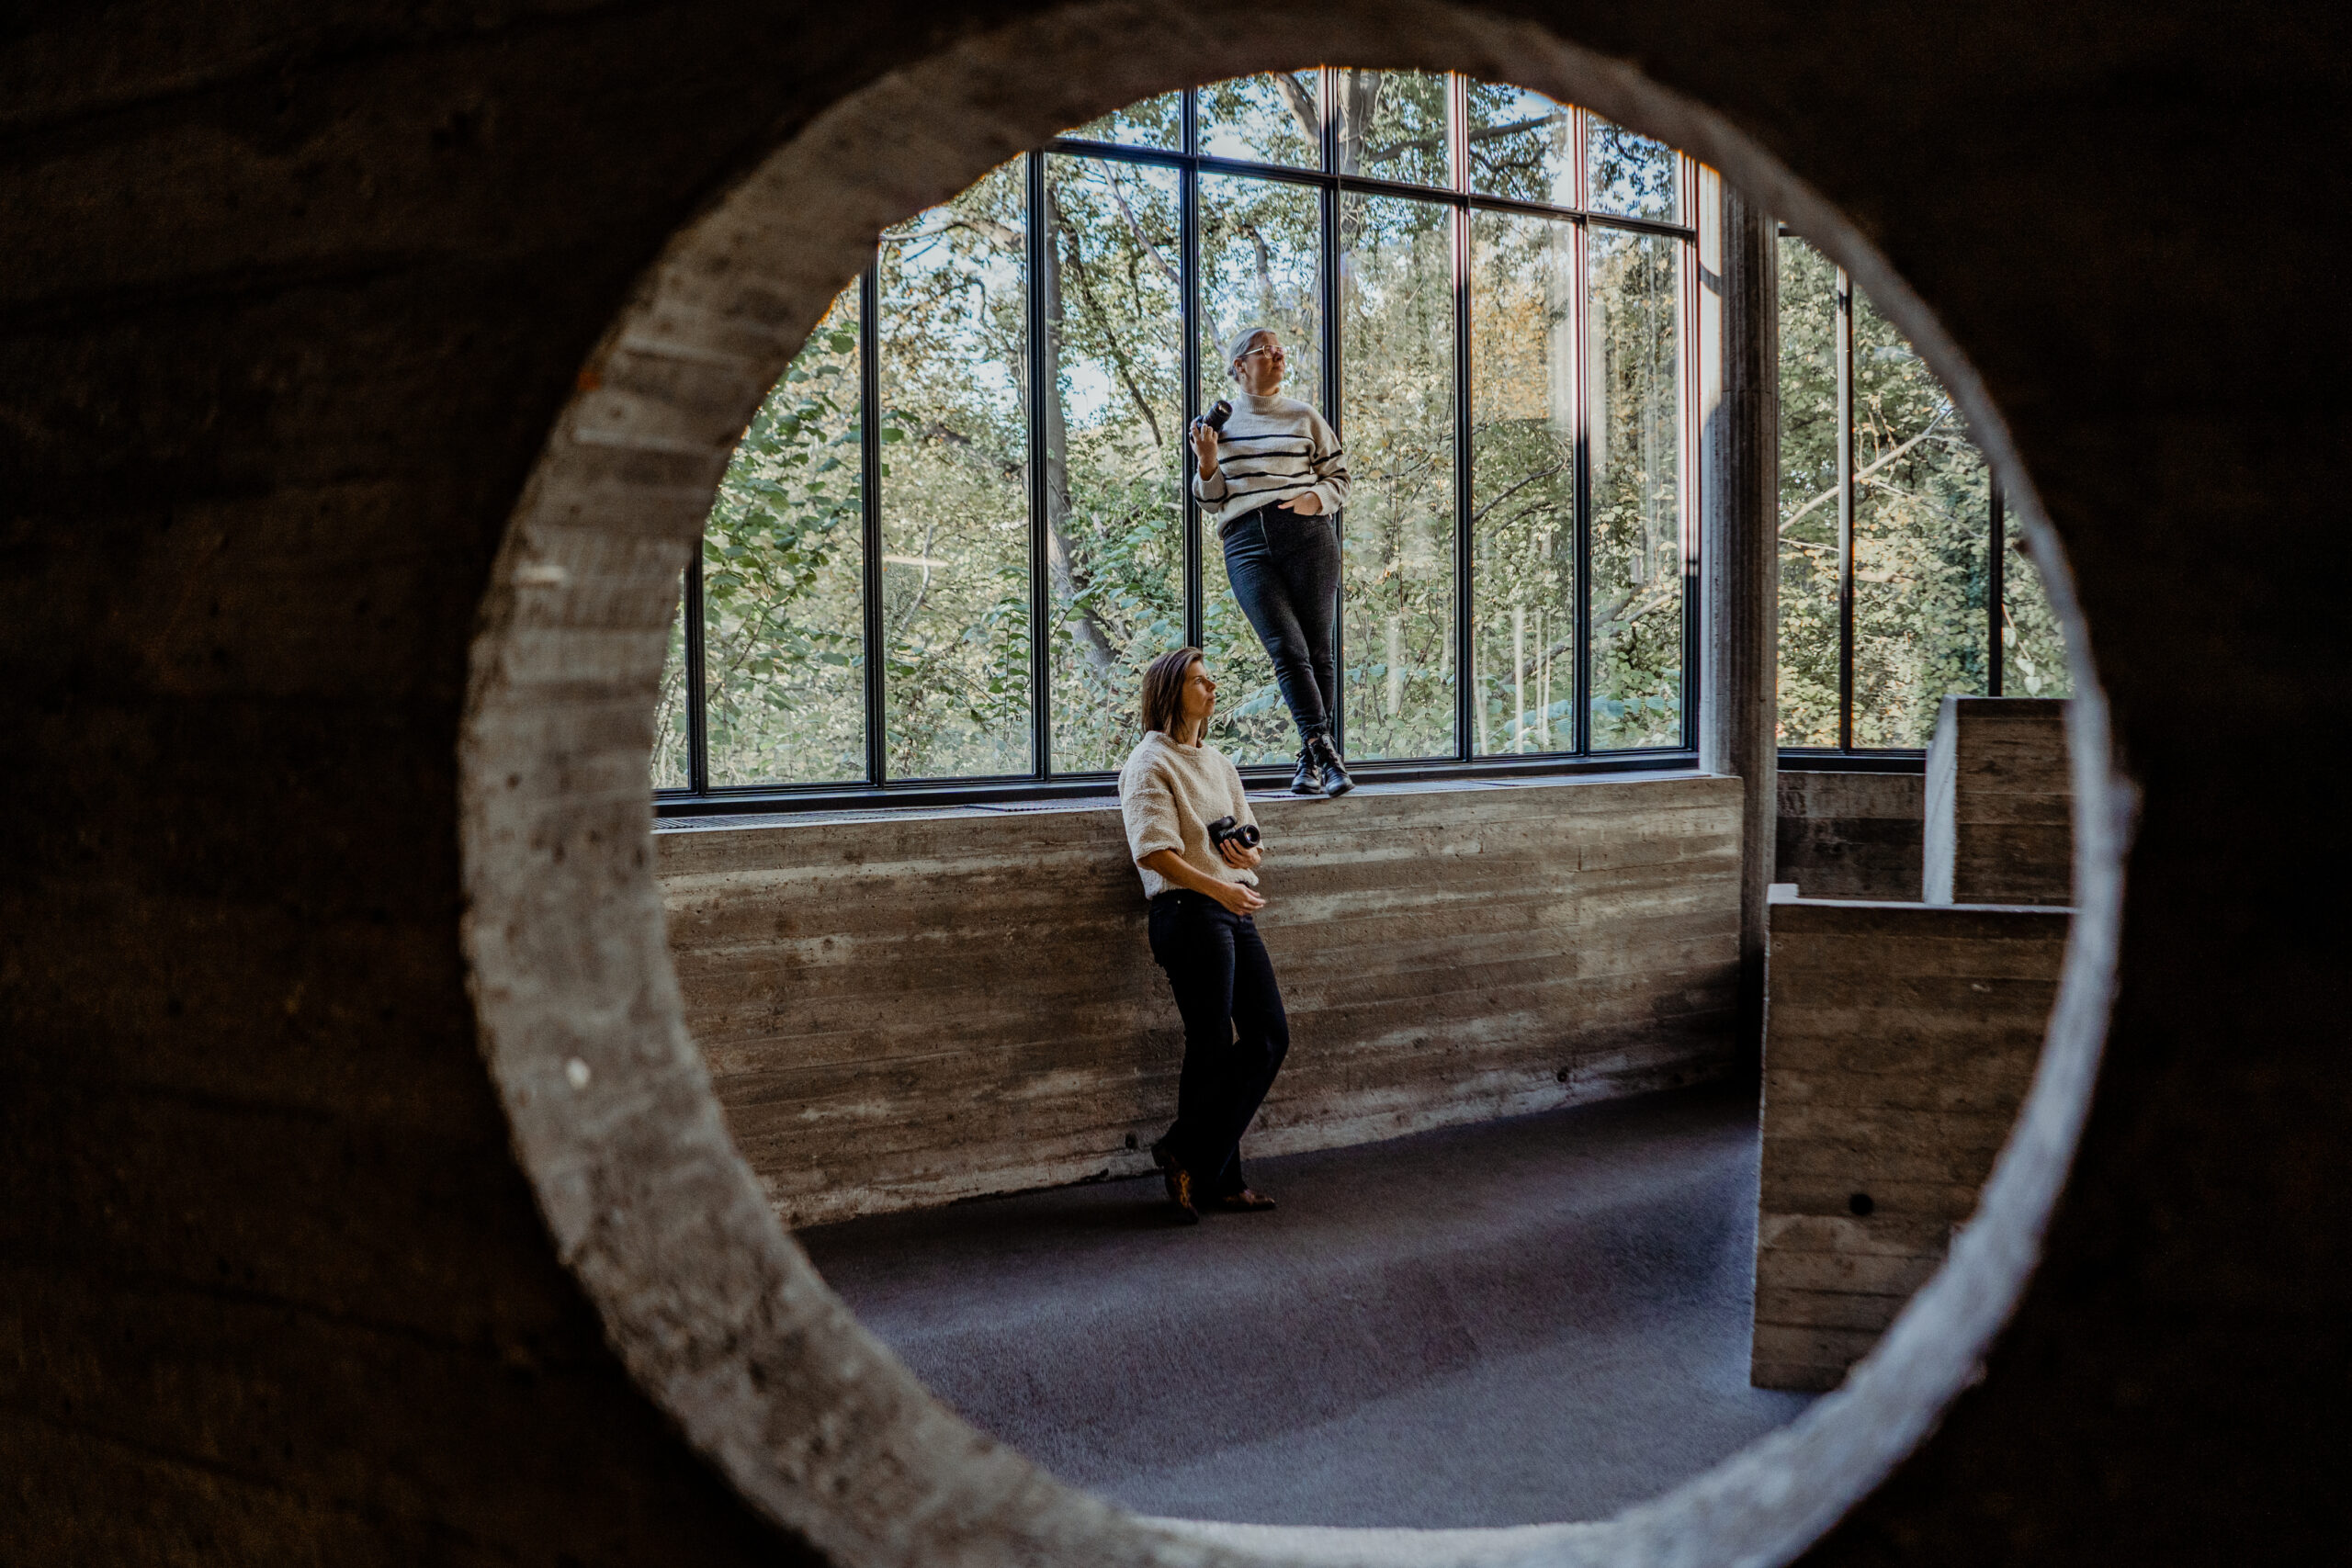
(714, 1307)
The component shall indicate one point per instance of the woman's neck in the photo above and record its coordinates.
(1188, 734)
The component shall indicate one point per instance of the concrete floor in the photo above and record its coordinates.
(1534, 1320)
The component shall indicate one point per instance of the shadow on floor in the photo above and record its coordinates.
(1526, 1321)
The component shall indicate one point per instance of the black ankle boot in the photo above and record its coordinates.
(1336, 782)
(1308, 780)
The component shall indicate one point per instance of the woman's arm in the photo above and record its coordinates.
(1209, 480)
(1330, 467)
(1238, 897)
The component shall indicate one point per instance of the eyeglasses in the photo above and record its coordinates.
(1253, 354)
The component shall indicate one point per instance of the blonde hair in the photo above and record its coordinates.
(1240, 345)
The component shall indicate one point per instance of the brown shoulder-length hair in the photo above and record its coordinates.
(1163, 686)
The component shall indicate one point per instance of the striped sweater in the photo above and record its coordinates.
(1272, 449)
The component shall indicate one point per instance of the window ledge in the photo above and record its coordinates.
(1102, 796)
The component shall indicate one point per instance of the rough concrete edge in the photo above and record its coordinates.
(720, 1316)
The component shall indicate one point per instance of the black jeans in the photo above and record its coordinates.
(1235, 1033)
(1285, 574)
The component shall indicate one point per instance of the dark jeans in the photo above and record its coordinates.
(1235, 1033)
(1286, 573)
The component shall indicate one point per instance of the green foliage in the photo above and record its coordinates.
(1396, 586)
(783, 565)
(955, 500)
(1921, 534)
(1633, 431)
(1808, 629)
(1114, 448)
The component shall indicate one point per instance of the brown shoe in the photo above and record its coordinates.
(1180, 1193)
(1246, 1202)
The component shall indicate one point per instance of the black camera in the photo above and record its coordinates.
(1245, 834)
(1216, 414)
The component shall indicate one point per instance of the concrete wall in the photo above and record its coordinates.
(1900, 1040)
(1850, 835)
(295, 293)
(2000, 823)
(913, 1010)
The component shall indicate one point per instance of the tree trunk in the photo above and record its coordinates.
(1091, 636)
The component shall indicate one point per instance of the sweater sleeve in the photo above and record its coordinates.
(1148, 808)
(1242, 812)
(1331, 465)
(1211, 490)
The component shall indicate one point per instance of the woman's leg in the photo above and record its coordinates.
(1263, 1030)
(1193, 942)
(1262, 587)
(1306, 554)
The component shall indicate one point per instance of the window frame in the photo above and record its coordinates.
(1043, 783)
(1847, 757)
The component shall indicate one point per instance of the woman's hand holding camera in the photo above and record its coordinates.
(1240, 857)
(1204, 438)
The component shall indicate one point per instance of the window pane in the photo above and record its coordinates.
(1267, 119)
(784, 602)
(1155, 122)
(1922, 524)
(1809, 483)
(1392, 125)
(1634, 426)
(1396, 332)
(1522, 477)
(1632, 175)
(956, 486)
(1260, 247)
(2033, 650)
(669, 759)
(1114, 442)
(1522, 146)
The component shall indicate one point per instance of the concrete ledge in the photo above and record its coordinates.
(909, 1009)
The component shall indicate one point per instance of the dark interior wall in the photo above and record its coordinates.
(1850, 835)
(290, 296)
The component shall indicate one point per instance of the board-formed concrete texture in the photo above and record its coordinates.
(1900, 1041)
(1999, 807)
(1850, 835)
(909, 1010)
(342, 335)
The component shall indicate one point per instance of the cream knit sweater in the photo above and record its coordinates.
(1170, 792)
(1272, 449)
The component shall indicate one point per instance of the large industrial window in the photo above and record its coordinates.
(1902, 579)
(959, 526)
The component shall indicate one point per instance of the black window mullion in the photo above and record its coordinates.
(1329, 250)
(1465, 556)
(1188, 240)
(1845, 511)
(697, 718)
(1693, 471)
(1041, 714)
(1997, 591)
(1580, 377)
(869, 489)
(1464, 547)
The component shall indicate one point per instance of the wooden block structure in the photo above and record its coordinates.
(1999, 804)
(1850, 835)
(1900, 1041)
(912, 1009)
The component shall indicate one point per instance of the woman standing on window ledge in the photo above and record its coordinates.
(1272, 477)
(1203, 898)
